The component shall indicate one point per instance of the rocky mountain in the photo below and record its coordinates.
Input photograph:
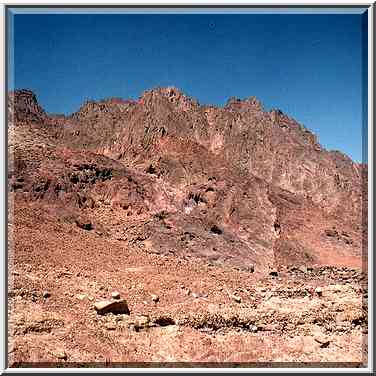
(160, 230)
(236, 185)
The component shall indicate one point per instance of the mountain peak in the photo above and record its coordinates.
(243, 104)
(23, 105)
(171, 94)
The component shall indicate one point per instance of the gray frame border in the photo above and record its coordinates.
(368, 78)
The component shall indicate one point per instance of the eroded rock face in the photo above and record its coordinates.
(236, 184)
(23, 106)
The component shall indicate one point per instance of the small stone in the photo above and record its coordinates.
(195, 295)
(115, 307)
(253, 328)
(273, 273)
(46, 294)
(155, 298)
(238, 299)
(143, 321)
(324, 342)
(338, 288)
(61, 355)
(188, 292)
(251, 268)
(269, 327)
(303, 269)
(115, 295)
(318, 291)
(81, 296)
(84, 224)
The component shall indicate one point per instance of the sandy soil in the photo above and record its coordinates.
(206, 315)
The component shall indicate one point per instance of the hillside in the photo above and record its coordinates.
(162, 195)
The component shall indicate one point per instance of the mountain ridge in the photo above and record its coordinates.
(236, 101)
(248, 174)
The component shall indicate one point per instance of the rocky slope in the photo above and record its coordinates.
(234, 237)
(236, 184)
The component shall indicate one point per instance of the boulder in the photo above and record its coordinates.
(115, 307)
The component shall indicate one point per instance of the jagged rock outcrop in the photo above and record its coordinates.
(235, 184)
(23, 106)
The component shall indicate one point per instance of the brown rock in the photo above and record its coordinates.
(318, 291)
(324, 342)
(116, 307)
(273, 273)
(61, 355)
(303, 269)
(237, 299)
(46, 294)
(115, 295)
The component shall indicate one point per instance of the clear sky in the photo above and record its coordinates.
(309, 66)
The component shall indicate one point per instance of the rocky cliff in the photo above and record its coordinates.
(236, 185)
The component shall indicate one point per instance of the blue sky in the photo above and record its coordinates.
(307, 65)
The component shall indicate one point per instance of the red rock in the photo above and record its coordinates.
(236, 184)
(116, 307)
